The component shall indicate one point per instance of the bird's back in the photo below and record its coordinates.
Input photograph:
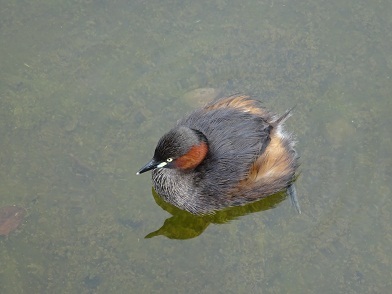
(236, 138)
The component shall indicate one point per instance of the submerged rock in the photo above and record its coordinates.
(10, 218)
(201, 96)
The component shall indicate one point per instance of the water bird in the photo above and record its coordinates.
(228, 153)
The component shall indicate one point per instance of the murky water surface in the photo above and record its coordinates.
(88, 87)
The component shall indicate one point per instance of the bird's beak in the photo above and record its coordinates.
(149, 166)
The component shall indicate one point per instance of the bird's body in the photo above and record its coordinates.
(228, 153)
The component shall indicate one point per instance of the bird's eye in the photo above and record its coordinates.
(169, 159)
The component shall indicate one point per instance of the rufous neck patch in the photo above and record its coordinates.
(193, 158)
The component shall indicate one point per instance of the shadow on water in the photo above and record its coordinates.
(184, 225)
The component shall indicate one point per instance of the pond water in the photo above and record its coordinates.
(88, 87)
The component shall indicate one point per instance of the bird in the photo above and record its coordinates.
(230, 152)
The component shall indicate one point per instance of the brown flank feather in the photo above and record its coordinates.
(271, 171)
(241, 103)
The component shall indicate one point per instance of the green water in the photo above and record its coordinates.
(88, 87)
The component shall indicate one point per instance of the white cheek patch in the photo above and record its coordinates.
(162, 164)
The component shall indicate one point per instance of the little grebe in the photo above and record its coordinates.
(230, 152)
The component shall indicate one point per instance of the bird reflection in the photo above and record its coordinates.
(183, 225)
